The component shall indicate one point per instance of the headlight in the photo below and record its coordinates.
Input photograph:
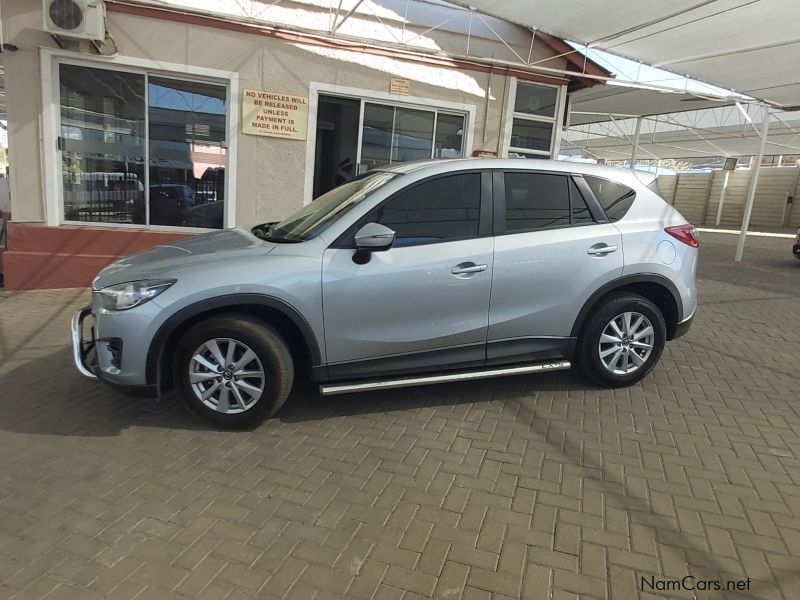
(133, 293)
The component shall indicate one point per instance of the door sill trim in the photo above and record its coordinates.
(388, 384)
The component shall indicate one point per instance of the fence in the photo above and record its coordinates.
(696, 195)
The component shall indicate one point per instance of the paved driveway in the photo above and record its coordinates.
(529, 487)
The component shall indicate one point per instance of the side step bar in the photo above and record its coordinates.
(387, 384)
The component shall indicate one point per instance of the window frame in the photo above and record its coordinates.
(555, 120)
(51, 163)
(499, 195)
(346, 240)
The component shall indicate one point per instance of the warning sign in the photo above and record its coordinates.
(273, 114)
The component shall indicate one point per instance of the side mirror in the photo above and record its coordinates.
(372, 237)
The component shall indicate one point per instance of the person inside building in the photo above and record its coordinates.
(345, 172)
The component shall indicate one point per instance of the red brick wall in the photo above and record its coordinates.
(40, 257)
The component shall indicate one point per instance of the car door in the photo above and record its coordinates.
(423, 304)
(553, 248)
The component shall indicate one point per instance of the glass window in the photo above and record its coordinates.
(440, 210)
(187, 152)
(531, 135)
(376, 138)
(103, 145)
(536, 201)
(449, 142)
(580, 210)
(536, 100)
(393, 135)
(615, 198)
(413, 135)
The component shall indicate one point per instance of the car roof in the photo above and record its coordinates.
(440, 166)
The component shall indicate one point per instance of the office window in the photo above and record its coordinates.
(394, 134)
(440, 210)
(536, 201)
(113, 122)
(533, 121)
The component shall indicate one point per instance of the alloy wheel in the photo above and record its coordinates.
(626, 343)
(226, 375)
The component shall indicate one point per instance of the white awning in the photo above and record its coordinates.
(750, 46)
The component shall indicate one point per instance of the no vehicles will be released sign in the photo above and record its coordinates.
(273, 114)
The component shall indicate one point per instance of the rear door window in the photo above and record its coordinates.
(536, 201)
(615, 198)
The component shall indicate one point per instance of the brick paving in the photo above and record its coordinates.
(528, 487)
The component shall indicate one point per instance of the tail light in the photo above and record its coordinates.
(686, 234)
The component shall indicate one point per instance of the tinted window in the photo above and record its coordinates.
(535, 201)
(580, 210)
(615, 198)
(439, 210)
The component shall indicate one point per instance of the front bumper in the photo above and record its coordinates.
(84, 353)
(85, 357)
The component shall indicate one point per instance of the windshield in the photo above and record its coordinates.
(323, 212)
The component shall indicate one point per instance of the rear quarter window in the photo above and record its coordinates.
(615, 198)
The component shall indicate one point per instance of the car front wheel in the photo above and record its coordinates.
(234, 372)
(623, 340)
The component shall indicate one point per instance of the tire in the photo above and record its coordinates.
(635, 362)
(242, 398)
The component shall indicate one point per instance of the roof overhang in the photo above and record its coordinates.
(750, 46)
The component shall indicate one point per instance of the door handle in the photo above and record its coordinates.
(467, 269)
(601, 250)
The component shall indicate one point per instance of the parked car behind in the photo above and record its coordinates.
(419, 273)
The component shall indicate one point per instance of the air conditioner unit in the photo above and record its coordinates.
(80, 19)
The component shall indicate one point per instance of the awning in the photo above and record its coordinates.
(750, 46)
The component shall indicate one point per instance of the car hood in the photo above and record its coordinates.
(167, 260)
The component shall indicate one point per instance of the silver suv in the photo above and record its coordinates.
(420, 273)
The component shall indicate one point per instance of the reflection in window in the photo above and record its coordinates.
(187, 153)
(531, 135)
(103, 145)
(413, 135)
(449, 142)
(536, 100)
(376, 142)
(393, 135)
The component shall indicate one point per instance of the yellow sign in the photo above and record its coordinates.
(400, 85)
(276, 115)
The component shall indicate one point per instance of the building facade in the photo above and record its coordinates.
(192, 115)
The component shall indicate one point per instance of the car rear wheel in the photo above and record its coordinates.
(623, 340)
(234, 372)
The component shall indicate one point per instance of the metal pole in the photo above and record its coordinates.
(658, 166)
(751, 193)
(636, 141)
(722, 196)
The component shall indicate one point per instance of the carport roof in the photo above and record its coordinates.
(750, 46)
